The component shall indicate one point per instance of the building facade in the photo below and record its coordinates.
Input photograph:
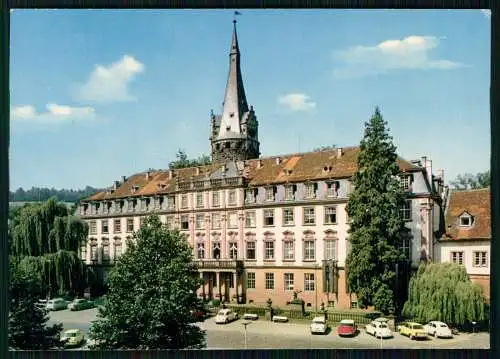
(467, 239)
(259, 228)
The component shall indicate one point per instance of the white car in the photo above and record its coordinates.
(318, 325)
(379, 329)
(438, 329)
(56, 304)
(225, 316)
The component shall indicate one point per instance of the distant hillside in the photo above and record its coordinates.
(36, 194)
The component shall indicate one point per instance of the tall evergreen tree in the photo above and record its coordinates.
(376, 228)
(152, 289)
(45, 241)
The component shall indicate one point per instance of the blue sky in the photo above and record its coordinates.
(100, 94)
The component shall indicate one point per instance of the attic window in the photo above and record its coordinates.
(134, 189)
(228, 128)
(466, 220)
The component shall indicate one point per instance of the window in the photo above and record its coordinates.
(269, 217)
(184, 201)
(141, 221)
(171, 202)
(250, 250)
(200, 250)
(288, 250)
(92, 227)
(269, 280)
(288, 281)
(105, 252)
(309, 250)
(232, 220)
(269, 250)
(233, 250)
(406, 247)
(457, 257)
(309, 216)
(251, 280)
(310, 190)
(83, 252)
(93, 252)
(309, 282)
(480, 259)
(117, 226)
(250, 219)
(332, 189)
(466, 221)
(215, 199)
(118, 250)
(404, 182)
(200, 221)
(169, 222)
(330, 249)
(216, 250)
(130, 225)
(250, 195)
(270, 194)
(215, 220)
(330, 215)
(405, 211)
(289, 193)
(104, 226)
(184, 222)
(288, 216)
(199, 200)
(232, 197)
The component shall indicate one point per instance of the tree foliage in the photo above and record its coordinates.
(183, 161)
(27, 322)
(36, 194)
(444, 292)
(152, 289)
(376, 227)
(470, 181)
(45, 241)
(324, 148)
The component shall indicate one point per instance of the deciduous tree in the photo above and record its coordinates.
(376, 227)
(470, 181)
(152, 289)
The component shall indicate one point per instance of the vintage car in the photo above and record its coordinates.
(412, 330)
(56, 304)
(225, 316)
(72, 337)
(379, 329)
(347, 327)
(438, 329)
(318, 325)
(80, 304)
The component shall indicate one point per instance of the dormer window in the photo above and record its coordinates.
(270, 192)
(310, 190)
(405, 182)
(332, 188)
(466, 220)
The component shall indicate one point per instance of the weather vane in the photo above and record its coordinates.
(236, 13)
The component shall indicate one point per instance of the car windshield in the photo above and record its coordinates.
(222, 312)
(383, 325)
(318, 321)
(417, 326)
(347, 325)
(71, 335)
(443, 325)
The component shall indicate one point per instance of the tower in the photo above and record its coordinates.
(234, 134)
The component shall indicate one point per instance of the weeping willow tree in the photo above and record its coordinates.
(444, 292)
(45, 241)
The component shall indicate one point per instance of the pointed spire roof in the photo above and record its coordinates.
(235, 102)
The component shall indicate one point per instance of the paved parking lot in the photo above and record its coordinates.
(262, 334)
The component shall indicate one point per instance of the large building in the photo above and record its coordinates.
(259, 227)
(467, 237)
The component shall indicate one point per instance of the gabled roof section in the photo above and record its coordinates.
(475, 203)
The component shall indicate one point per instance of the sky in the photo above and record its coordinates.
(96, 95)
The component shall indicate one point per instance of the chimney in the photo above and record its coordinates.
(339, 152)
(278, 160)
(170, 174)
(124, 179)
(197, 171)
(259, 164)
(428, 167)
(148, 175)
(441, 174)
(116, 184)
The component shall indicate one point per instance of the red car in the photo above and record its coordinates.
(347, 327)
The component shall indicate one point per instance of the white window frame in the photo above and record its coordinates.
(117, 229)
(406, 211)
(215, 221)
(230, 216)
(405, 182)
(287, 219)
(232, 197)
(332, 189)
(184, 201)
(269, 282)
(328, 211)
(480, 259)
(104, 224)
(269, 250)
(233, 250)
(250, 195)
(93, 227)
(184, 216)
(215, 199)
(251, 245)
(331, 248)
(309, 249)
(289, 193)
(130, 223)
(266, 213)
(117, 250)
(309, 282)
(200, 250)
(308, 217)
(250, 219)
(251, 282)
(309, 190)
(457, 257)
(200, 200)
(269, 194)
(466, 217)
(288, 279)
(200, 221)
(288, 250)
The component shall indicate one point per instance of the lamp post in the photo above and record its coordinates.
(245, 324)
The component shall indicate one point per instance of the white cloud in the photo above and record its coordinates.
(110, 84)
(410, 53)
(54, 114)
(297, 102)
(486, 12)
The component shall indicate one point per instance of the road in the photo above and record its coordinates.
(262, 334)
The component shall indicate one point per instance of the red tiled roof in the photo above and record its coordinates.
(476, 203)
(291, 168)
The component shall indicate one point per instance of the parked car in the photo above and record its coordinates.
(412, 330)
(198, 315)
(379, 329)
(41, 304)
(81, 304)
(438, 329)
(347, 327)
(56, 304)
(318, 325)
(73, 337)
(225, 316)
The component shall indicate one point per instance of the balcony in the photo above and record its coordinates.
(219, 264)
